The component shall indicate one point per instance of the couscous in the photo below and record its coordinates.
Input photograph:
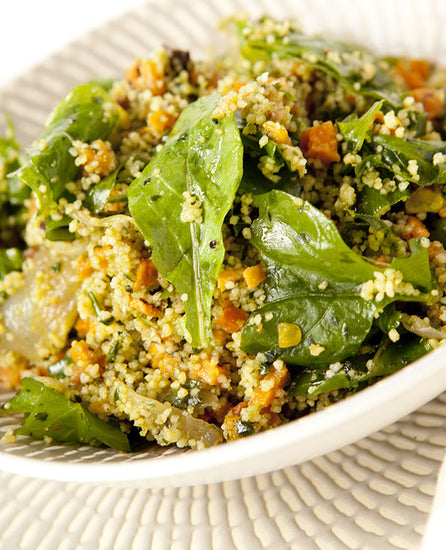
(205, 249)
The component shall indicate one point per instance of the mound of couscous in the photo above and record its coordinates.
(205, 249)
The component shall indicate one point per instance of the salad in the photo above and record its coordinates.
(205, 249)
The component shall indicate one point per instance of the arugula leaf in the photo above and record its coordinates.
(48, 413)
(357, 371)
(314, 280)
(202, 158)
(313, 50)
(86, 113)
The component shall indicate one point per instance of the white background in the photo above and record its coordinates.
(30, 30)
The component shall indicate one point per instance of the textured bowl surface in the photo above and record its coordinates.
(399, 27)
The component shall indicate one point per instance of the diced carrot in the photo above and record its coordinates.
(211, 372)
(82, 326)
(433, 106)
(160, 122)
(277, 132)
(274, 380)
(228, 275)
(143, 307)
(114, 206)
(319, 142)
(237, 85)
(101, 253)
(434, 249)
(414, 72)
(146, 274)
(220, 336)
(232, 319)
(81, 354)
(84, 268)
(144, 74)
(97, 408)
(254, 275)
(162, 360)
(9, 376)
(99, 159)
(415, 229)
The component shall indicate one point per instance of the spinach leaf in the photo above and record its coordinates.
(202, 160)
(338, 323)
(314, 51)
(314, 280)
(395, 154)
(86, 113)
(354, 130)
(372, 202)
(98, 195)
(389, 358)
(48, 413)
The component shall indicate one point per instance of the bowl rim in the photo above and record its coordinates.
(300, 440)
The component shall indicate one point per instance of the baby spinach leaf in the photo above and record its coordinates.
(314, 51)
(202, 159)
(395, 154)
(372, 202)
(314, 280)
(48, 413)
(361, 369)
(354, 130)
(337, 323)
(98, 195)
(86, 113)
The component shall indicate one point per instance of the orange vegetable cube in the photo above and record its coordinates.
(228, 275)
(146, 274)
(233, 319)
(254, 275)
(277, 132)
(84, 268)
(274, 380)
(143, 307)
(319, 142)
(210, 372)
(433, 106)
(414, 72)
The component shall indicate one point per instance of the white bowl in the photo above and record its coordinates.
(401, 27)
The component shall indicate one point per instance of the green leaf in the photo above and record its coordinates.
(338, 323)
(314, 51)
(11, 259)
(415, 267)
(98, 195)
(57, 230)
(395, 154)
(372, 202)
(86, 113)
(314, 280)
(354, 130)
(203, 158)
(48, 413)
(362, 369)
